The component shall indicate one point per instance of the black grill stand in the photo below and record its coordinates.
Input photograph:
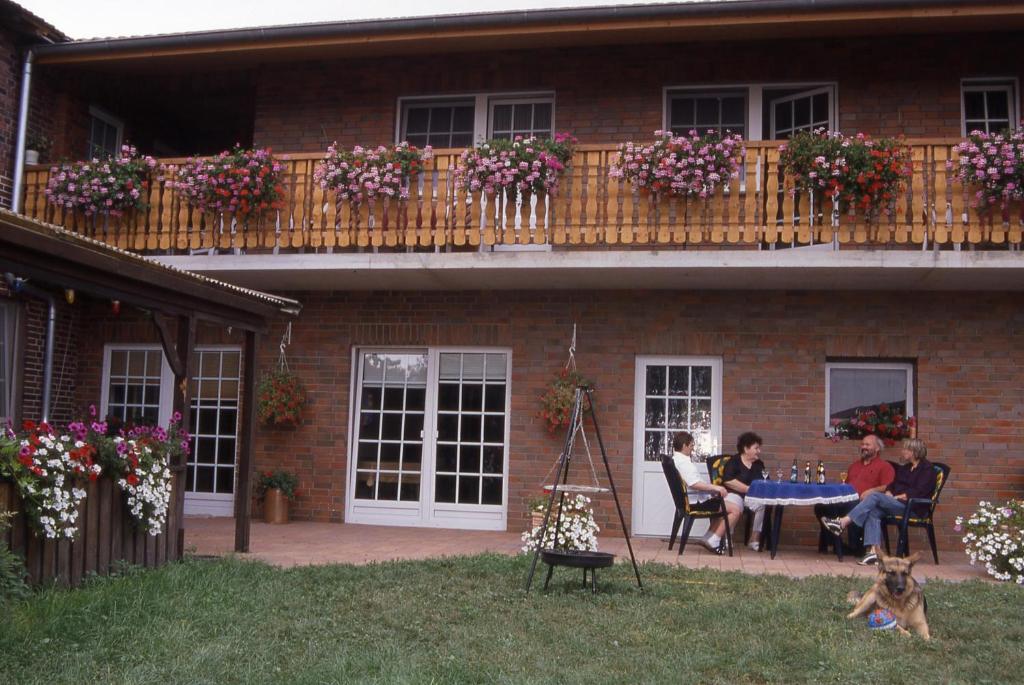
(586, 560)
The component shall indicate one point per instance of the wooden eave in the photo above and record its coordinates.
(55, 257)
(546, 28)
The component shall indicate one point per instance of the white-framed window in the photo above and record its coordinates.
(430, 437)
(105, 134)
(8, 359)
(770, 111)
(136, 384)
(522, 117)
(988, 105)
(214, 429)
(438, 123)
(853, 386)
(700, 110)
(463, 120)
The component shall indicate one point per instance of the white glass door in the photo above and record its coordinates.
(672, 394)
(430, 436)
(210, 475)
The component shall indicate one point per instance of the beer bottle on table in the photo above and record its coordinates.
(794, 472)
(807, 473)
(821, 472)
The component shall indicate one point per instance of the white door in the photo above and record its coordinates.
(210, 478)
(671, 394)
(429, 439)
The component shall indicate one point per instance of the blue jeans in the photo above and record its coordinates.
(870, 513)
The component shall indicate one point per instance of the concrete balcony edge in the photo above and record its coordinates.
(805, 268)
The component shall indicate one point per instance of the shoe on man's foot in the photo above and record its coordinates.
(716, 548)
(832, 525)
(868, 559)
(755, 545)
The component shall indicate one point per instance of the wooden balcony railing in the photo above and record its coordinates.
(590, 209)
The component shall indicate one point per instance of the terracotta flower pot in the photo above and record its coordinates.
(275, 506)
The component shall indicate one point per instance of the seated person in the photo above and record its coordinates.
(682, 446)
(915, 478)
(739, 473)
(868, 474)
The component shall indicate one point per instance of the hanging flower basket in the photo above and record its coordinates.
(281, 398)
(556, 403)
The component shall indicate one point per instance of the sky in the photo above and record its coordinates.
(105, 18)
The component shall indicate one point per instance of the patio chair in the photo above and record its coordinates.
(716, 467)
(684, 514)
(908, 519)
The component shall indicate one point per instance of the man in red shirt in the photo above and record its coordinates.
(868, 474)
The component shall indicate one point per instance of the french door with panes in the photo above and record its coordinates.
(672, 394)
(210, 478)
(137, 388)
(429, 438)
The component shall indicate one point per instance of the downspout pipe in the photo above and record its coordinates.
(19, 146)
(20, 285)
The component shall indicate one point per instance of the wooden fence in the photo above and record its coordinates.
(106, 538)
(590, 209)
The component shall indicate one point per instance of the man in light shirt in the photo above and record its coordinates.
(682, 446)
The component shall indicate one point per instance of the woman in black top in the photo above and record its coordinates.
(740, 472)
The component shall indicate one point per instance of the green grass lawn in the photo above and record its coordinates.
(468, 620)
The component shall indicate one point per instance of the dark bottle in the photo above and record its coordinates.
(807, 473)
(821, 472)
(794, 472)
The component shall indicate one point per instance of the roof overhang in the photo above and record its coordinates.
(52, 256)
(661, 23)
(804, 268)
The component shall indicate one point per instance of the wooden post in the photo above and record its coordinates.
(185, 351)
(243, 496)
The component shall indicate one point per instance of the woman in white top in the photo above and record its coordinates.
(682, 446)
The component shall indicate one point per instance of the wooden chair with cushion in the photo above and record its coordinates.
(684, 515)
(908, 518)
(716, 467)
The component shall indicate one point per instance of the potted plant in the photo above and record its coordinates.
(109, 186)
(276, 488)
(994, 536)
(37, 148)
(883, 420)
(527, 165)
(694, 165)
(280, 397)
(577, 529)
(363, 173)
(992, 165)
(242, 182)
(556, 402)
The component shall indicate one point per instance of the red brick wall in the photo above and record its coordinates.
(899, 85)
(966, 347)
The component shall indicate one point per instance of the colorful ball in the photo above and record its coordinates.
(881, 619)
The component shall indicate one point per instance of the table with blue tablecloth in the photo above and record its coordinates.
(777, 496)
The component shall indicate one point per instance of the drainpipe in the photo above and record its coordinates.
(20, 285)
(19, 146)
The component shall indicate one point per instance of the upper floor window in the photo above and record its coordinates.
(527, 117)
(697, 110)
(465, 120)
(439, 123)
(104, 134)
(8, 362)
(804, 110)
(989, 105)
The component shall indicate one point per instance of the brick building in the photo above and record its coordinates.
(425, 356)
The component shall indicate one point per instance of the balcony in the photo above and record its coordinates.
(590, 211)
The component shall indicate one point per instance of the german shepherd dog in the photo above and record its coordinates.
(896, 590)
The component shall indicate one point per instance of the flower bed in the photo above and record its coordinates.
(577, 529)
(994, 536)
(362, 173)
(859, 173)
(114, 185)
(992, 164)
(532, 165)
(242, 182)
(694, 165)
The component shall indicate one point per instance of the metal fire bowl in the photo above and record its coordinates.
(577, 558)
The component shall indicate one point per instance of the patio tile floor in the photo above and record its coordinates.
(304, 543)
